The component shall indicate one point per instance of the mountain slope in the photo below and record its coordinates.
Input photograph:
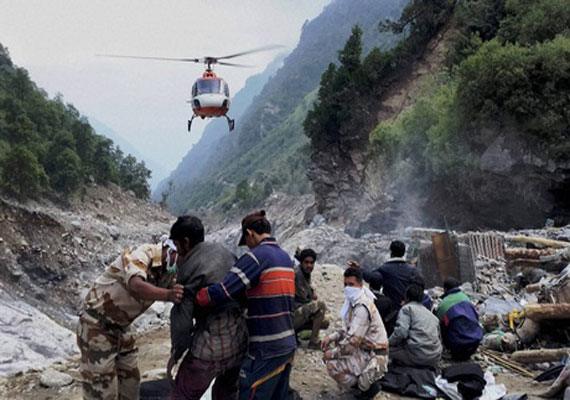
(192, 165)
(158, 172)
(468, 124)
(48, 149)
(223, 176)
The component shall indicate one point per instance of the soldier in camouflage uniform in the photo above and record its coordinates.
(360, 355)
(127, 287)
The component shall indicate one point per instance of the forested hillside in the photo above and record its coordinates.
(268, 150)
(487, 142)
(48, 149)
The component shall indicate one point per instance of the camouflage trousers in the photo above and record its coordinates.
(303, 316)
(347, 369)
(107, 354)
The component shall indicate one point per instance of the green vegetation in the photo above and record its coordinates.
(357, 84)
(277, 160)
(508, 68)
(47, 147)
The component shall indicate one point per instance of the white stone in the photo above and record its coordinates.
(55, 379)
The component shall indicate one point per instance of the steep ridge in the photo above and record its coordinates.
(268, 122)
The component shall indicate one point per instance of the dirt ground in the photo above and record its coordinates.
(309, 375)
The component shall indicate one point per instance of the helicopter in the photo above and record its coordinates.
(210, 95)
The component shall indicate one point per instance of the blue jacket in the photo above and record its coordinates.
(459, 321)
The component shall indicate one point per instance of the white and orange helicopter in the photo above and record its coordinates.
(210, 96)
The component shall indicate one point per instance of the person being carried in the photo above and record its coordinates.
(393, 277)
(309, 311)
(218, 342)
(360, 352)
(459, 322)
(265, 274)
(415, 341)
(127, 287)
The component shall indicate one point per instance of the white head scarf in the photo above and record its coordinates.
(353, 294)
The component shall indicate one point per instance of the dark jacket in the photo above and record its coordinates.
(459, 321)
(303, 290)
(394, 276)
(205, 264)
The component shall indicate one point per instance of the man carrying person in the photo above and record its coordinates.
(309, 312)
(127, 287)
(393, 277)
(265, 274)
(360, 352)
(415, 341)
(459, 322)
(218, 342)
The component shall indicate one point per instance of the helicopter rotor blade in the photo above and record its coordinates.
(195, 60)
(243, 53)
(235, 65)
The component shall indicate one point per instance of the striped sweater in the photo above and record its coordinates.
(266, 274)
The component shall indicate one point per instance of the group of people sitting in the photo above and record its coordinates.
(236, 320)
(391, 323)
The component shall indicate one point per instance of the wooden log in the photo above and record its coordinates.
(547, 311)
(537, 240)
(539, 356)
(534, 254)
(554, 267)
(533, 287)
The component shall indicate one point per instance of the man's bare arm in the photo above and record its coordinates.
(145, 291)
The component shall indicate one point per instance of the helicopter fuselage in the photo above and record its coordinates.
(210, 96)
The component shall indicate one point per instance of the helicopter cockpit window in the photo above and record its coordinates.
(194, 90)
(208, 86)
(226, 89)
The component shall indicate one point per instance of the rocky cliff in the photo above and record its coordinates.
(441, 141)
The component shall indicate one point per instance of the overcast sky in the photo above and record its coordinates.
(144, 101)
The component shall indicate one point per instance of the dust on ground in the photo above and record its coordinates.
(309, 376)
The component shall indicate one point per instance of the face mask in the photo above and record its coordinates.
(352, 293)
(171, 257)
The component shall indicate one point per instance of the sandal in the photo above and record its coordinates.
(314, 346)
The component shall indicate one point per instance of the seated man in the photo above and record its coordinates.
(415, 341)
(309, 313)
(393, 277)
(459, 322)
(360, 355)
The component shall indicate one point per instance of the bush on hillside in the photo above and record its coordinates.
(530, 85)
(27, 176)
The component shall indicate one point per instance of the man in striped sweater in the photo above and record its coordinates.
(265, 274)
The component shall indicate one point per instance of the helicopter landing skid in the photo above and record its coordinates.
(231, 123)
(190, 122)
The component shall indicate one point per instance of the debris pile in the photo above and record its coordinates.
(521, 288)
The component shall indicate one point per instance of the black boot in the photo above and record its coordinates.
(372, 391)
